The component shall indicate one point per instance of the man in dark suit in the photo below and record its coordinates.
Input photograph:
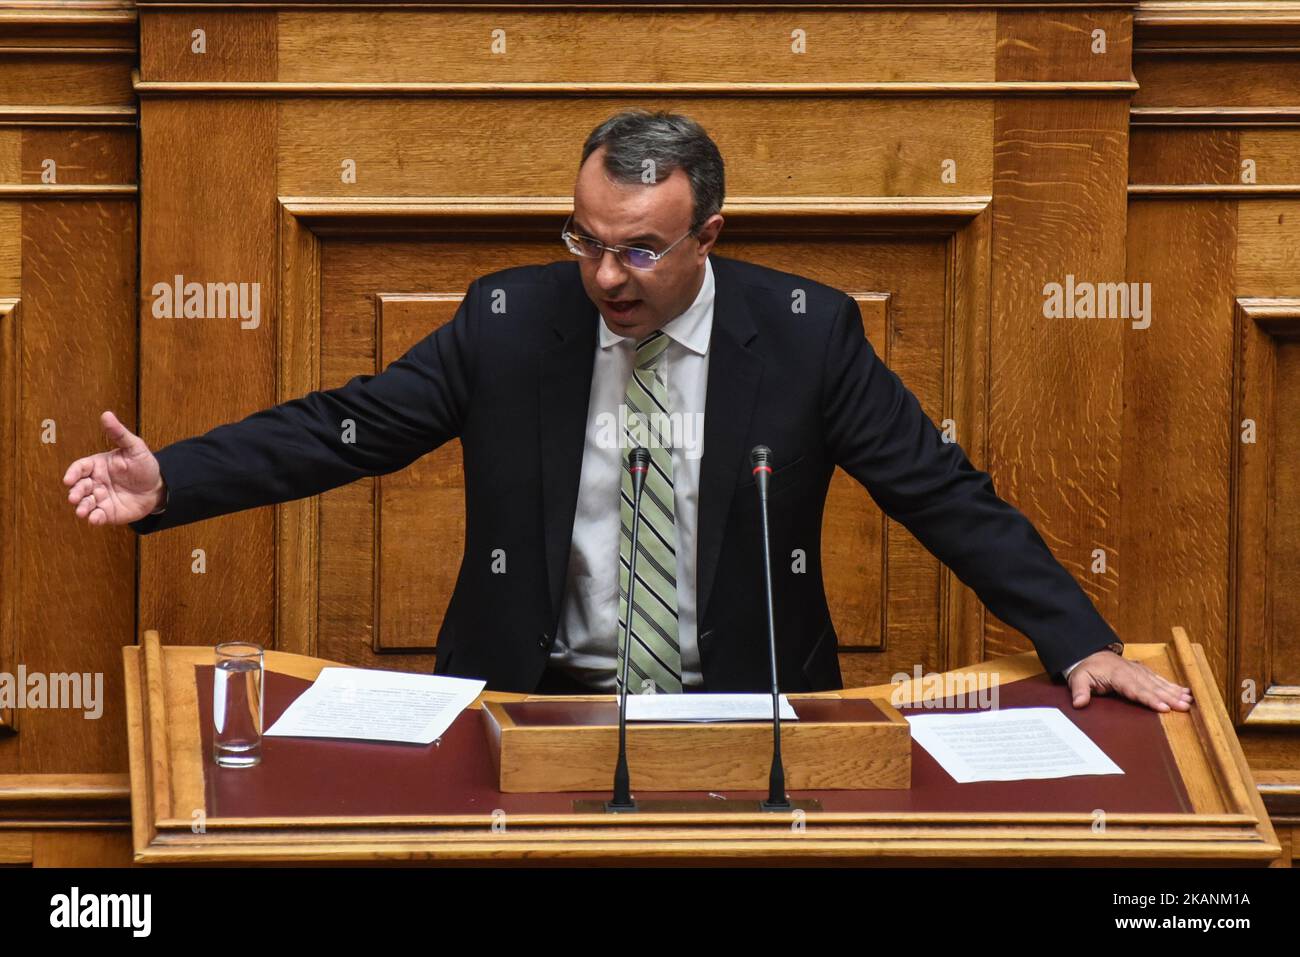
(547, 374)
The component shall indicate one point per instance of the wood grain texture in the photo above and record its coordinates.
(1055, 408)
(666, 45)
(778, 146)
(210, 219)
(1177, 377)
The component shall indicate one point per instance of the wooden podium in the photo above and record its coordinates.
(1186, 795)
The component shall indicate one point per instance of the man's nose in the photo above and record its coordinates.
(610, 273)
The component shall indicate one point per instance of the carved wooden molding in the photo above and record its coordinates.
(1214, 116)
(731, 88)
(1212, 190)
(1240, 26)
(57, 799)
(1260, 325)
(62, 27)
(30, 191)
(68, 116)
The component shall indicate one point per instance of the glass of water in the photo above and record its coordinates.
(237, 705)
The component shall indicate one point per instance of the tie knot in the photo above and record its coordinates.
(649, 349)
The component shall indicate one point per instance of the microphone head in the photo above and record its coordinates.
(638, 458)
(759, 456)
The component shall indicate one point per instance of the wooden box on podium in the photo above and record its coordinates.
(544, 744)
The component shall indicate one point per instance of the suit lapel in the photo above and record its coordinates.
(565, 377)
(734, 374)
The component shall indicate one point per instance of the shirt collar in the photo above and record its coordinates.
(691, 328)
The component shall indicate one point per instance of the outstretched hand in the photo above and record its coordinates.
(1105, 672)
(117, 487)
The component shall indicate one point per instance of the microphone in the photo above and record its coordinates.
(638, 462)
(776, 798)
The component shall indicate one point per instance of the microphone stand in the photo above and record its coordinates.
(776, 797)
(638, 461)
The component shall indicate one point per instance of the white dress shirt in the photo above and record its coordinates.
(586, 645)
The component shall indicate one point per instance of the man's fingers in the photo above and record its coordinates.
(1147, 689)
(80, 490)
(1080, 689)
(123, 437)
(1174, 692)
(79, 469)
(87, 505)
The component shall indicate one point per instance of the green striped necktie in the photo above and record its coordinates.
(656, 663)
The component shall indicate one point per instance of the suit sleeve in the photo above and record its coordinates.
(878, 433)
(372, 425)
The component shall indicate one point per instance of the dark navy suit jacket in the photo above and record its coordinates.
(513, 386)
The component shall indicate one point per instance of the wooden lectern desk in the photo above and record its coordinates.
(1186, 796)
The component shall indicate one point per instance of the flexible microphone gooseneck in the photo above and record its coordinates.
(638, 461)
(776, 797)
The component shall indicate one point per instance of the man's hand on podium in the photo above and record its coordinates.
(117, 487)
(1105, 671)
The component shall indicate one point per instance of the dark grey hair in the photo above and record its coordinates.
(671, 141)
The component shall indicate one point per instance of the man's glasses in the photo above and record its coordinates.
(634, 257)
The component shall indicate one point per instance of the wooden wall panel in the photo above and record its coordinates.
(1108, 437)
(68, 344)
(211, 218)
(487, 147)
(1214, 194)
(1177, 442)
(1058, 211)
(654, 46)
(419, 516)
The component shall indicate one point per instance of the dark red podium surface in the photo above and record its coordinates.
(314, 777)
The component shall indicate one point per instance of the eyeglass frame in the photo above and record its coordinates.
(618, 247)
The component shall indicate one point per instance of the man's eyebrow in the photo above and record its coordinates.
(653, 237)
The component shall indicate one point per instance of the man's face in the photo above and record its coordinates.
(652, 217)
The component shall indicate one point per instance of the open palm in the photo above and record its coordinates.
(117, 487)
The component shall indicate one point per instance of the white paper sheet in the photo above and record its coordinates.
(705, 707)
(1009, 745)
(372, 705)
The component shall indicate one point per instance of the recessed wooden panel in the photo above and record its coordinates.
(1265, 587)
(1268, 247)
(716, 46)
(775, 146)
(71, 80)
(1212, 80)
(1275, 152)
(1059, 209)
(209, 217)
(420, 510)
(1176, 380)
(1183, 156)
(75, 582)
(391, 598)
(239, 45)
(10, 399)
(854, 558)
(355, 275)
(80, 154)
(1064, 46)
